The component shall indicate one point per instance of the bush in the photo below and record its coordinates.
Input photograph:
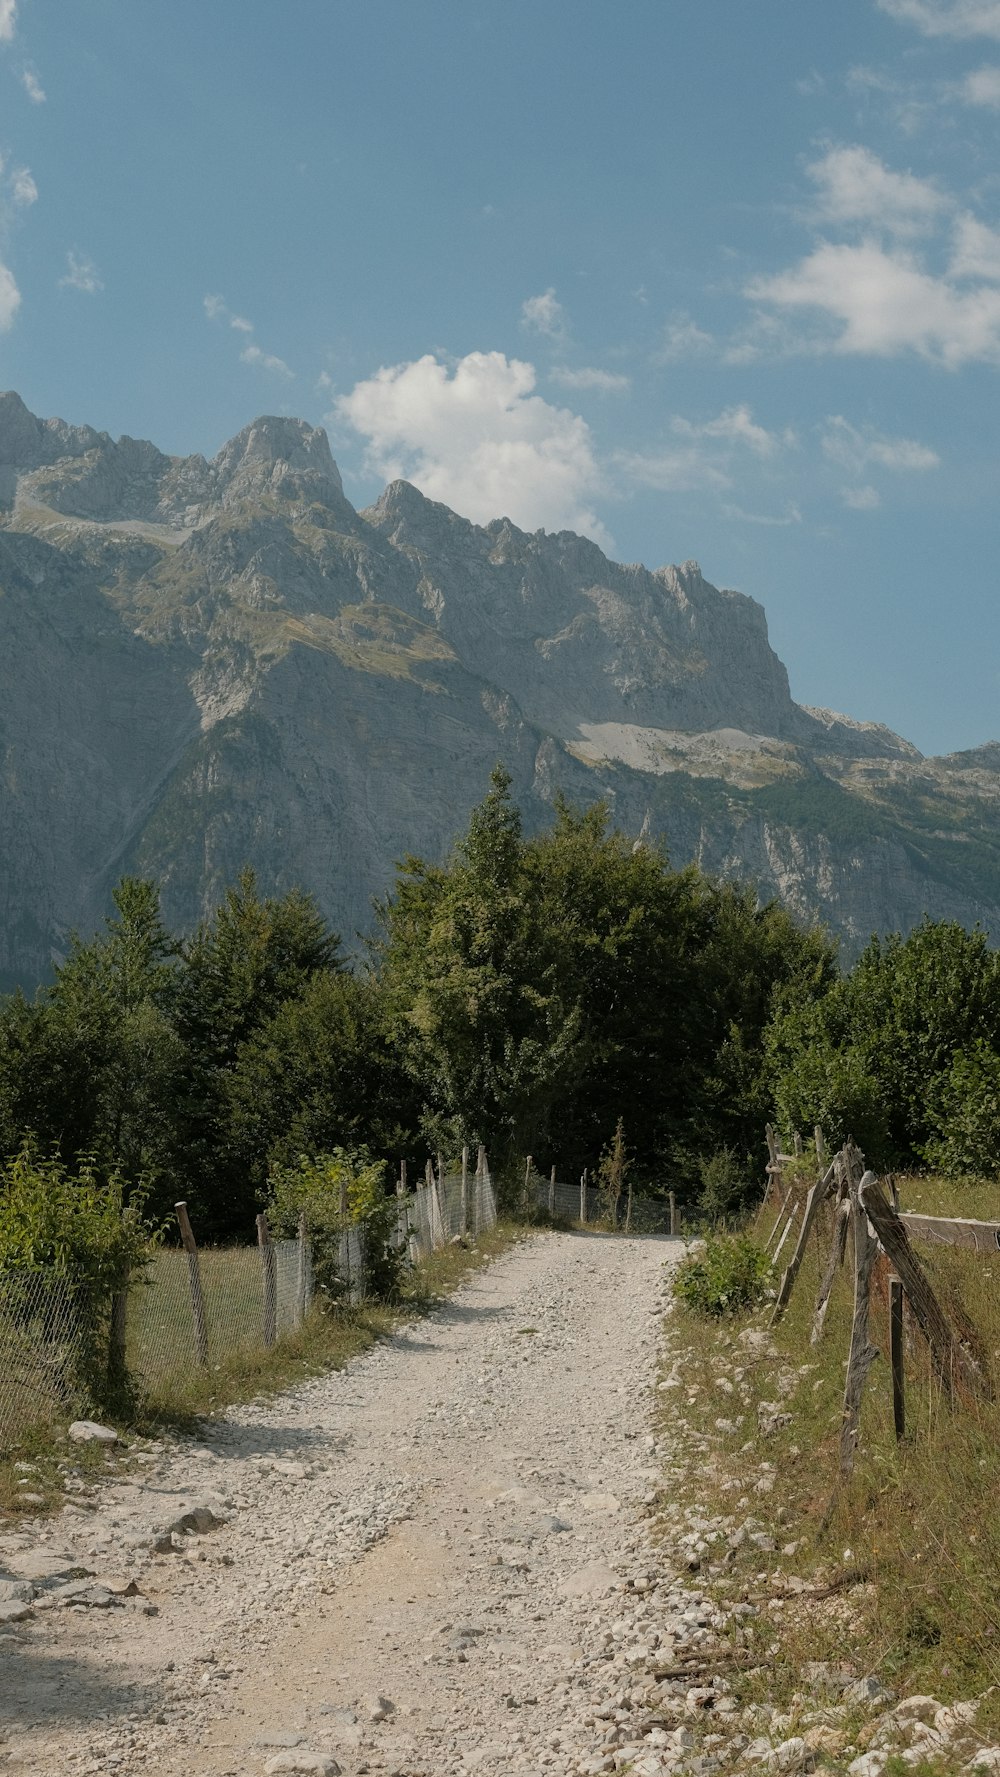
(728, 1276)
(79, 1234)
(725, 1185)
(313, 1188)
(965, 1106)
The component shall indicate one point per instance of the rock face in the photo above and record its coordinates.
(214, 663)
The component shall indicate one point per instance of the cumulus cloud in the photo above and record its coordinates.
(8, 20)
(23, 189)
(544, 314)
(856, 448)
(81, 274)
(947, 18)
(33, 86)
(605, 382)
(10, 298)
(792, 516)
(854, 186)
(252, 354)
(873, 301)
(480, 439)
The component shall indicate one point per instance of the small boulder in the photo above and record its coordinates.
(87, 1431)
(871, 1693)
(302, 1764)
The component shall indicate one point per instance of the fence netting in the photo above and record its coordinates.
(587, 1204)
(186, 1312)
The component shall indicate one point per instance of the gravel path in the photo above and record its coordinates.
(433, 1561)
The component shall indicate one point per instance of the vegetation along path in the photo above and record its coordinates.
(411, 1565)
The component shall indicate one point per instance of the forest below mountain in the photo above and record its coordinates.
(533, 993)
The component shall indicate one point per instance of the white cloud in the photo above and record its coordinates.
(33, 86)
(861, 499)
(682, 471)
(8, 20)
(735, 425)
(982, 87)
(792, 516)
(947, 18)
(683, 338)
(878, 303)
(265, 361)
(606, 382)
(10, 297)
(81, 274)
(857, 448)
(975, 251)
(479, 439)
(544, 314)
(23, 189)
(217, 309)
(854, 186)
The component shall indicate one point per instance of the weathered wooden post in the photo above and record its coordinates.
(896, 1356)
(583, 1196)
(552, 1195)
(465, 1191)
(672, 1198)
(820, 1148)
(797, 1145)
(194, 1279)
(528, 1205)
(482, 1174)
(270, 1282)
(863, 1353)
(816, 1195)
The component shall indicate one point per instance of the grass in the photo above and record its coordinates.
(179, 1394)
(911, 1544)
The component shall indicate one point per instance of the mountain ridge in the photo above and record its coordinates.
(217, 661)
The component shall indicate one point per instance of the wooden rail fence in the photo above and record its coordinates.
(863, 1214)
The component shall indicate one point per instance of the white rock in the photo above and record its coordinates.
(869, 1764)
(306, 1764)
(87, 1431)
(986, 1759)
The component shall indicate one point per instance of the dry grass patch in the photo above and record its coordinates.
(902, 1564)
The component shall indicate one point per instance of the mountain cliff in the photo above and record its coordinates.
(209, 663)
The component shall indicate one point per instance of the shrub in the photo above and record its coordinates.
(725, 1185)
(729, 1275)
(313, 1188)
(965, 1106)
(69, 1242)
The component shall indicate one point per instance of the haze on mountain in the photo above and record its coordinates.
(214, 663)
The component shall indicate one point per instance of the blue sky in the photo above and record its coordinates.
(699, 277)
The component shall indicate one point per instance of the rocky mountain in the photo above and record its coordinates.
(209, 663)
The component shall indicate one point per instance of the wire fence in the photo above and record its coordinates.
(587, 1205)
(196, 1307)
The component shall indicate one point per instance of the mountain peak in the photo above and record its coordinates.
(281, 452)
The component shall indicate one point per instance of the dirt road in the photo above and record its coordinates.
(418, 1562)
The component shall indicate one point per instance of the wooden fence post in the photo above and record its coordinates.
(465, 1192)
(863, 1353)
(529, 1162)
(270, 1281)
(951, 1360)
(820, 1147)
(482, 1173)
(797, 1145)
(837, 1250)
(896, 1357)
(583, 1196)
(194, 1279)
(552, 1194)
(816, 1196)
(673, 1212)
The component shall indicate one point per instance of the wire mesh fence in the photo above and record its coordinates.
(39, 1344)
(587, 1205)
(194, 1308)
